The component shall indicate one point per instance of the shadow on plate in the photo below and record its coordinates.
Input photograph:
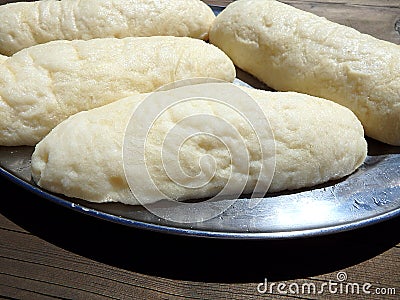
(194, 258)
(376, 148)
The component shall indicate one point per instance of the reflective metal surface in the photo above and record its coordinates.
(370, 195)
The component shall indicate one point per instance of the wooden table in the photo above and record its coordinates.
(48, 251)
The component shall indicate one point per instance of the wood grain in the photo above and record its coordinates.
(25, 267)
(49, 252)
(32, 267)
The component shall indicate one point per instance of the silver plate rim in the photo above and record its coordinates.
(278, 235)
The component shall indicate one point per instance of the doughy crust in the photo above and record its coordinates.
(293, 50)
(25, 24)
(42, 85)
(3, 58)
(316, 141)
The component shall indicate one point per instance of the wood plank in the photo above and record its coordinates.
(23, 285)
(374, 271)
(378, 21)
(28, 276)
(9, 225)
(12, 292)
(52, 269)
(375, 3)
(27, 256)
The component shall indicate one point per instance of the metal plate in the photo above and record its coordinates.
(370, 195)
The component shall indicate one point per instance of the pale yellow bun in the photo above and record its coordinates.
(293, 50)
(44, 84)
(3, 58)
(25, 24)
(316, 141)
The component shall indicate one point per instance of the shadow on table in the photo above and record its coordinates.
(189, 258)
